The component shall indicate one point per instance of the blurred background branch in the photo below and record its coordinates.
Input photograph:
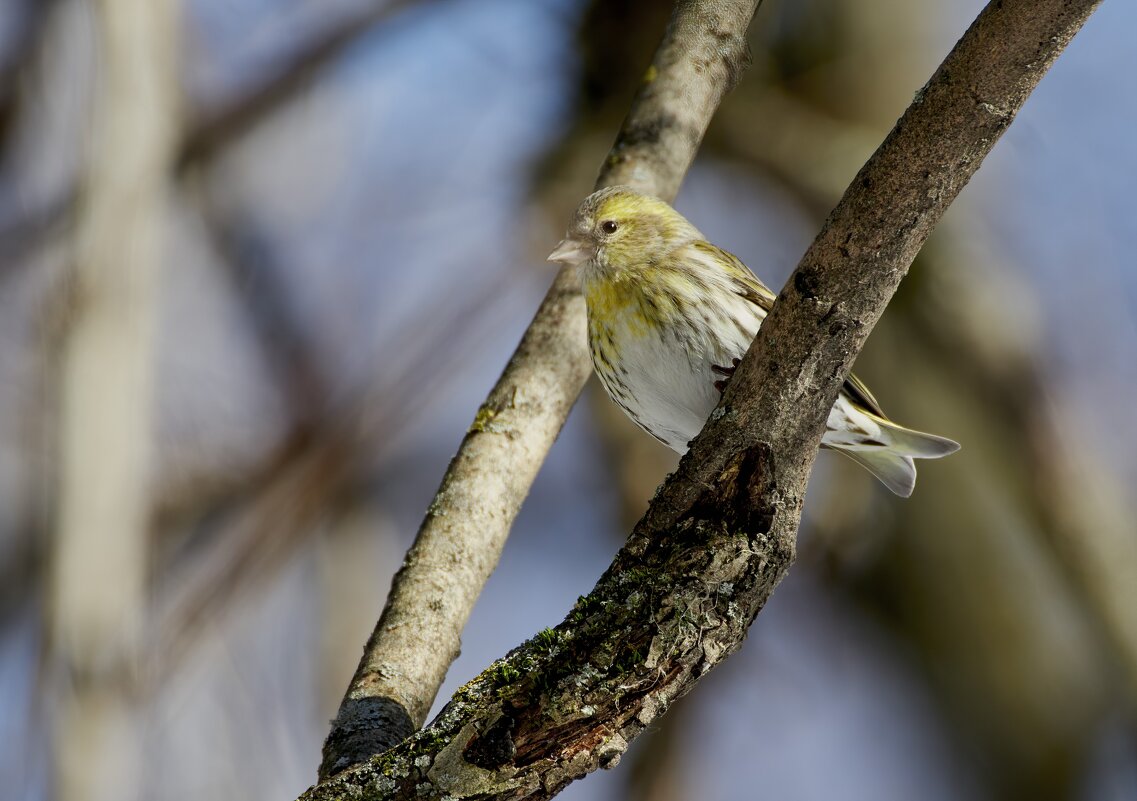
(219, 127)
(100, 564)
(211, 129)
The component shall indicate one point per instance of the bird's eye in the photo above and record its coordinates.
(609, 226)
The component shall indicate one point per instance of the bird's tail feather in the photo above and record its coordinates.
(896, 472)
(916, 444)
(892, 464)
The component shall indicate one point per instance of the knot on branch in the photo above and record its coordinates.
(735, 53)
(645, 136)
(742, 497)
(495, 747)
(807, 283)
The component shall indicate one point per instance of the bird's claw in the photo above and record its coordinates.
(727, 372)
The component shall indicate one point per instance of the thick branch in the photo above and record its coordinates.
(720, 534)
(466, 526)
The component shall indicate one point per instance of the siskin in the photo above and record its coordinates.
(669, 317)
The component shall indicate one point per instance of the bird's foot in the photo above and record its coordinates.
(726, 372)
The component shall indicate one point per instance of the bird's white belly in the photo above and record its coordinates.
(673, 394)
(669, 383)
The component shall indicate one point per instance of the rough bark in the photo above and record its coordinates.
(461, 538)
(721, 532)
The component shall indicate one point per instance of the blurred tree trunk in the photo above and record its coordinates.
(98, 587)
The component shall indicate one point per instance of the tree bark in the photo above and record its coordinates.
(720, 533)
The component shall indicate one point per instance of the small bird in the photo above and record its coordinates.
(669, 318)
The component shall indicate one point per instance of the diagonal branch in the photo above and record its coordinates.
(720, 534)
(27, 41)
(227, 123)
(460, 541)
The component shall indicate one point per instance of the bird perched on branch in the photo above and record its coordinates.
(669, 317)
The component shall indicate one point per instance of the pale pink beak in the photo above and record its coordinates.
(571, 251)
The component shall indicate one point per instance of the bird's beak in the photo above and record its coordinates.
(571, 251)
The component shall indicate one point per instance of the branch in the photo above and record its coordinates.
(32, 20)
(460, 541)
(720, 534)
(233, 119)
(99, 575)
(106, 406)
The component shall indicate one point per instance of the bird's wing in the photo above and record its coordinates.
(760, 295)
(746, 283)
(857, 391)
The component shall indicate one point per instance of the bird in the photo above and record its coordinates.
(671, 315)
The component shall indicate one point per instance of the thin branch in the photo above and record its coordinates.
(212, 132)
(460, 541)
(720, 534)
(252, 268)
(28, 40)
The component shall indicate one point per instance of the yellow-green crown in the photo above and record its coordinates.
(628, 227)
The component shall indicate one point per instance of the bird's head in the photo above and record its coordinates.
(618, 229)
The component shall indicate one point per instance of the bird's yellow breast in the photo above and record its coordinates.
(616, 305)
(640, 304)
